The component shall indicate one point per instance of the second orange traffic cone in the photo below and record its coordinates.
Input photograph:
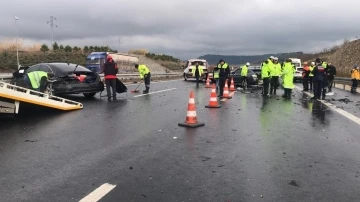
(191, 118)
(232, 86)
(213, 103)
(226, 93)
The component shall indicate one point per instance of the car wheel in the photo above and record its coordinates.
(89, 95)
(50, 89)
(185, 78)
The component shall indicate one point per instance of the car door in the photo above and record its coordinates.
(237, 75)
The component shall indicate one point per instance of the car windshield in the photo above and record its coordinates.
(92, 62)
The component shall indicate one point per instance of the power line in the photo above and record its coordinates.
(52, 25)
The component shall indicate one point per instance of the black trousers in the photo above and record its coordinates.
(197, 79)
(274, 84)
(222, 81)
(110, 83)
(331, 81)
(311, 82)
(319, 89)
(147, 79)
(305, 84)
(287, 93)
(266, 86)
(354, 85)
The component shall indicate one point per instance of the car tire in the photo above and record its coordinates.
(89, 95)
(50, 89)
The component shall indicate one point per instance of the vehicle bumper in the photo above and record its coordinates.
(78, 88)
(190, 75)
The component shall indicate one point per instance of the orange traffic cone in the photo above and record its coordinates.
(191, 119)
(213, 103)
(226, 91)
(207, 83)
(232, 86)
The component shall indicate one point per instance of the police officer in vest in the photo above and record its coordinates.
(110, 70)
(216, 78)
(224, 73)
(144, 74)
(311, 75)
(320, 80)
(265, 75)
(197, 72)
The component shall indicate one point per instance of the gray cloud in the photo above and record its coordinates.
(187, 28)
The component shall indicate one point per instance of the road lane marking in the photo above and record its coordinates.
(333, 107)
(160, 91)
(98, 193)
(230, 94)
(134, 84)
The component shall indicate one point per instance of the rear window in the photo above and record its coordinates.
(200, 63)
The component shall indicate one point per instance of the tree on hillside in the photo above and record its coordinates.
(76, 49)
(61, 47)
(86, 49)
(68, 49)
(97, 49)
(91, 48)
(55, 46)
(44, 48)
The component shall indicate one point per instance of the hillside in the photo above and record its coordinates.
(241, 59)
(8, 60)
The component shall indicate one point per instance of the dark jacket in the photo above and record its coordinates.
(331, 71)
(110, 70)
(319, 73)
(197, 73)
(224, 72)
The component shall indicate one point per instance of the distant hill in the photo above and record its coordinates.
(254, 59)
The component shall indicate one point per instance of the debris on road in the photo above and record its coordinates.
(293, 183)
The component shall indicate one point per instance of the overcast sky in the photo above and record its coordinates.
(187, 28)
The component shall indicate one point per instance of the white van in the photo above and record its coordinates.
(190, 66)
(299, 69)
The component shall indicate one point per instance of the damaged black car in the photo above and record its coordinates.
(66, 78)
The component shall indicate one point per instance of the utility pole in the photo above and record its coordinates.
(17, 46)
(52, 24)
(120, 42)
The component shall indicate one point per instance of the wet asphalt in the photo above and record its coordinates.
(251, 149)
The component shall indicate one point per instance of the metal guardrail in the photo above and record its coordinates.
(8, 77)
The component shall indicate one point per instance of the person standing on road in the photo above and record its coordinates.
(110, 70)
(355, 76)
(216, 78)
(224, 73)
(265, 75)
(320, 80)
(288, 78)
(198, 71)
(311, 75)
(331, 73)
(275, 72)
(305, 75)
(244, 73)
(144, 74)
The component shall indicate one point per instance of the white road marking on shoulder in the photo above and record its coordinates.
(160, 91)
(134, 84)
(230, 94)
(333, 107)
(98, 193)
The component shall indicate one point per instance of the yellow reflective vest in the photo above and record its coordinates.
(244, 70)
(143, 70)
(201, 71)
(311, 69)
(35, 78)
(265, 69)
(288, 75)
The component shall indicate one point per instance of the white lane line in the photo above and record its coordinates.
(160, 91)
(134, 84)
(230, 94)
(333, 107)
(98, 193)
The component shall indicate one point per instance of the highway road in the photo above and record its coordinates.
(132, 149)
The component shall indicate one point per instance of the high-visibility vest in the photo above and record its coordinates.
(216, 74)
(288, 76)
(265, 70)
(143, 70)
(35, 78)
(324, 64)
(244, 70)
(355, 74)
(311, 69)
(199, 68)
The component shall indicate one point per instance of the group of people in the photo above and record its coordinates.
(319, 75)
(110, 69)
